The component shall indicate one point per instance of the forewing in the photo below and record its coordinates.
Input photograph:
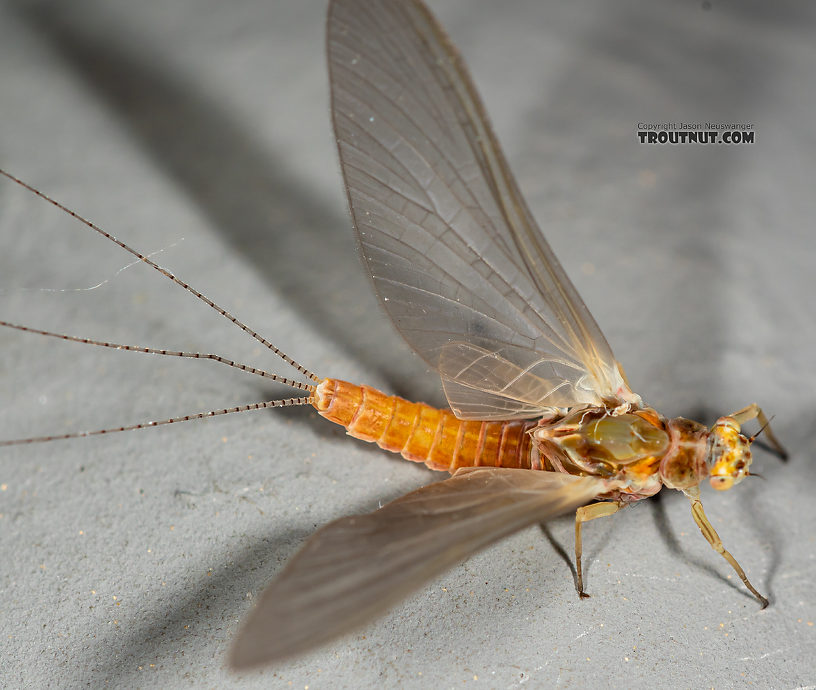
(355, 568)
(480, 384)
(455, 256)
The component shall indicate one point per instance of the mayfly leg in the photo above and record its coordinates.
(582, 515)
(754, 411)
(713, 538)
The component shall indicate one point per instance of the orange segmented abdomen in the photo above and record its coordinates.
(422, 433)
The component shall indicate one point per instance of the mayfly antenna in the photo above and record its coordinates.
(770, 447)
(753, 437)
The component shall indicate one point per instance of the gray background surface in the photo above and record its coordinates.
(201, 129)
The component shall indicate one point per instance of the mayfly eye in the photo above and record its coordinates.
(721, 483)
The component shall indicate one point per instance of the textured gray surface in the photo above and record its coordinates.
(130, 559)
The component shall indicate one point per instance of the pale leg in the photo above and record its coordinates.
(713, 538)
(754, 411)
(582, 515)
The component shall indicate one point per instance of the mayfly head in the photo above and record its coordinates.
(729, 454)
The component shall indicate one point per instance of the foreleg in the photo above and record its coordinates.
(754, 411)
(713, 538)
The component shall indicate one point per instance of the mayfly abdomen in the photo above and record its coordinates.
(422, 433)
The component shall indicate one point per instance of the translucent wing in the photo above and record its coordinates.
(357, 567)
(481, 384)
(454, 253)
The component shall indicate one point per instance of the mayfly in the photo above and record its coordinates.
(542, 420)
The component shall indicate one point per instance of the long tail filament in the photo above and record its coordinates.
(308, 387)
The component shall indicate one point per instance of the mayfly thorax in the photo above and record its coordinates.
(542, 419)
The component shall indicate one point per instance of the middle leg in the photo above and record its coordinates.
(582, 515)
